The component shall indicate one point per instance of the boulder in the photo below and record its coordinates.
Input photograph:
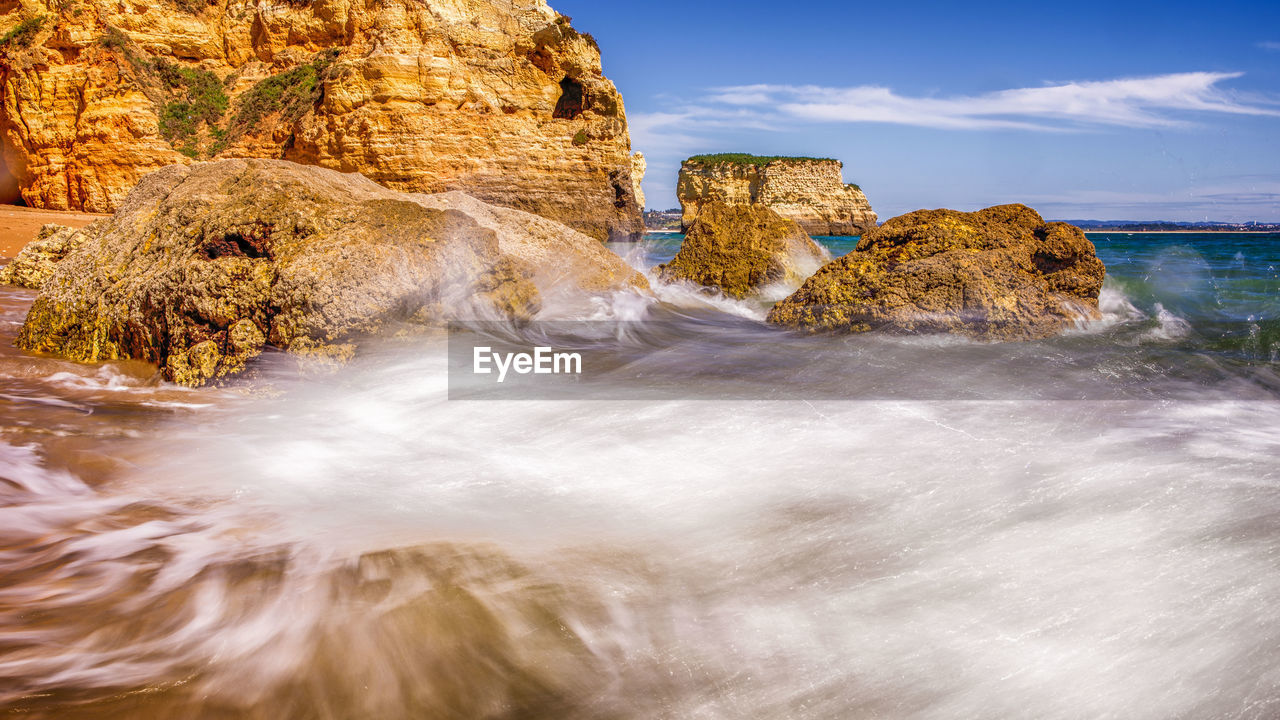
(35, 263)
(742, 249)
(204, 266)
(562, 260)
(1002, 273)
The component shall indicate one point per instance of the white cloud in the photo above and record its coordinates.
(1270, 46)
(719, 120)
(666, 138)
(1125, 102)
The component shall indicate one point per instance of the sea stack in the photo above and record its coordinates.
(810, 191)
(506, 102)
(997, 274)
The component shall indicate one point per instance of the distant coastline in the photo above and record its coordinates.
(1167, 226)
(1101, 231)
(670, 220)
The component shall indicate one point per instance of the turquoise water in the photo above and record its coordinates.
(661, 247)
(1225, 286)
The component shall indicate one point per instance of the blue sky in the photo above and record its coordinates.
(1084, 110)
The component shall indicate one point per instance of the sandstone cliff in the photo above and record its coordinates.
(807, 190)
(638, 168)
(505, 101)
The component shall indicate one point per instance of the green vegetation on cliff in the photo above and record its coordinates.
(24, 32)
(748, 159)
(200, 98)
(193, 104)
(291, 93)
(115, 39)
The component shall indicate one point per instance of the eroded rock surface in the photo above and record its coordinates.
(37, 260)
(206, 265)
(742, 249)
(506, 102)
(997, 274)
(808, 190)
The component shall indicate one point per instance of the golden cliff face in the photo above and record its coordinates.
(504, 101)
(809, 191)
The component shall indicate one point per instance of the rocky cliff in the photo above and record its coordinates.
(505, 101)
(810, 191)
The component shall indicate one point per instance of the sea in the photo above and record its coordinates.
(730, 521)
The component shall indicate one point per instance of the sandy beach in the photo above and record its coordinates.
(19, 225)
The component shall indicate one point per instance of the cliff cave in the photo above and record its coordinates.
(569, 106)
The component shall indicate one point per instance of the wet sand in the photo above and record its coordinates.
(19, 225)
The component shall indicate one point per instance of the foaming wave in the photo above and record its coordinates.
(619, 306)
(104, 377)
(359, 545)
(118, 606)
(1116, 306)
(989, 575)
(687, 295)
(1118, 310)
(1168, 326)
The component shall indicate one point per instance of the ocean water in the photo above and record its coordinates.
(812, 527)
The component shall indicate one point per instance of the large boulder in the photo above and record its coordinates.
(36, 261)
(742, 249)
(997, 274)
(206, 265)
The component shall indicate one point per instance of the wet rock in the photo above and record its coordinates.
(205, 266)
(35, 263)
(741, 249)
(997, 274)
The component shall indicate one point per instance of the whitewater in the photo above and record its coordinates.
(734, 521)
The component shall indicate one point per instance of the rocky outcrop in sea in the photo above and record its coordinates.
(1002, 273)
(810, 191)
(742, 249)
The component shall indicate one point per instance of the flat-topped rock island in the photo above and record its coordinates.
(810, 191)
